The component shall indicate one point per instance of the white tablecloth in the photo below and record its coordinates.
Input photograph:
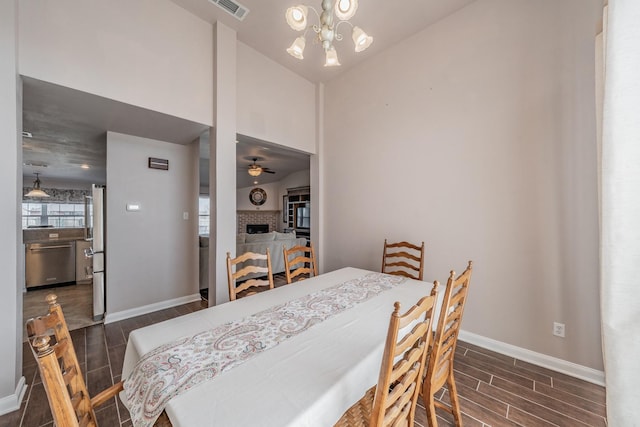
(308, 380)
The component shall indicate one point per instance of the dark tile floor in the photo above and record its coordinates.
(494, 390)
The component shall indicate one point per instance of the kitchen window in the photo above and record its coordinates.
(52, 214)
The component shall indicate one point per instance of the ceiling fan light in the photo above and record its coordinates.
(360, 39)
(254, 170)
(345, 9)
(297, 17)
(331, 59)
(297, 48)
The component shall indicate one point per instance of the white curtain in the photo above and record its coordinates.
(620, 210)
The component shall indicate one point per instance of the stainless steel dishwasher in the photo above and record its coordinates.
(50, 263)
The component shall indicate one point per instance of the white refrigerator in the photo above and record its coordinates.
(95, 233)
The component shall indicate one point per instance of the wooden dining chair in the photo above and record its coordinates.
(392, 402)
(62, 379)
(235, 273)
(439, 370)
(303, 262)
(403, 259)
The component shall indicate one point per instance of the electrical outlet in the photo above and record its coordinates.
(558, 329)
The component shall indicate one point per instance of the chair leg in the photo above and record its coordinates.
(453, 397)
(429, 404)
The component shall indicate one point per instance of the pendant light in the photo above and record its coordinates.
(36, 191)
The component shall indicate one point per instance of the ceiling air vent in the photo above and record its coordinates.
(233, 8)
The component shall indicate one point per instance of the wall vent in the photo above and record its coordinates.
(232, 7)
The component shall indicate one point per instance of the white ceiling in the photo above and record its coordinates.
(69, 127)
(283, 161)
(265, 29)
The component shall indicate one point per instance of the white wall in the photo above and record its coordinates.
(274, 104)
(148, 53)
(294, 180)
(152, 254)
(274, 191)
(11, 249)
(477, 135)
(273, 202)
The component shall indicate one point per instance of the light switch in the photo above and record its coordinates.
(133, 207)
(185, 215)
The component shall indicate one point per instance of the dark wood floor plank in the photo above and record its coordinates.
(114, 335)
(588, 405)
(99, 380)
(116, 358)
(595, 393)
(527, 419)
(107, 416)
(509, 367)
(497, 369)
(37, 412)
(471, 371)
(466, 380)
(597, 390)
(97, 356)
(560, 406)
(501, 357)
(78, 337)
(479, 398)
(481, 413)
(529, 406)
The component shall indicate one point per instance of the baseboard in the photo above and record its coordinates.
(12, 402)
(145, 309)
(578, 371)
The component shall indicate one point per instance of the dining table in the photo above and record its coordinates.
(297, 355)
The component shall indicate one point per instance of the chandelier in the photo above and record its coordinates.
(327, 29)
(36, 191)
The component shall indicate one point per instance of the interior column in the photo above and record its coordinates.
(222, 170)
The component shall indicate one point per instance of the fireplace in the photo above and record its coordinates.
(257, 228)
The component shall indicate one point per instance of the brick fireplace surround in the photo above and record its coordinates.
(273, 218)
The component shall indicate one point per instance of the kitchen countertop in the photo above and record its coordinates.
(46, 235)
(59, 240)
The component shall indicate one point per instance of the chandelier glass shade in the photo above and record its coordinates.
(36, 191)
(334, 13)
(297, 48)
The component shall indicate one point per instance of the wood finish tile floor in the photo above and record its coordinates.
(78, 305)
(494, 390)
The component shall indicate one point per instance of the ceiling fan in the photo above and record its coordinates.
(256, 170)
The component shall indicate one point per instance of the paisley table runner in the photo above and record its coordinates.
(176, 367)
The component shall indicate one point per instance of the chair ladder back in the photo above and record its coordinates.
(59, 368)
(440, 363)
(305, 257)
(403, 362)
(239, 273)
(406, 259)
